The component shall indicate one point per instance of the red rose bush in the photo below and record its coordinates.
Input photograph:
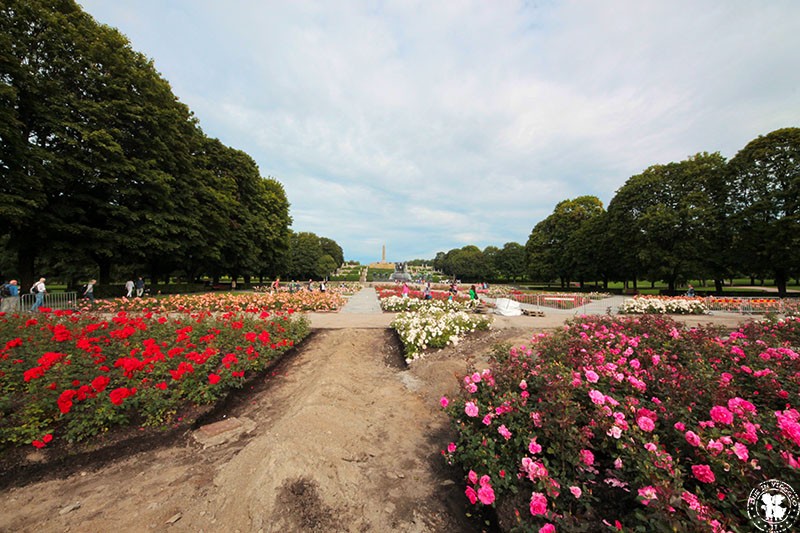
(68, 376)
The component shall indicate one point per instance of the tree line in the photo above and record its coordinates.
(701, 218)
(104, 172)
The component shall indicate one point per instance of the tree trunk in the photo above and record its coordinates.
(780, 282)
(26, 259)
(718, 287)
(104, 264)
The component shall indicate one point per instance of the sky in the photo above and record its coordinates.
(431, 125)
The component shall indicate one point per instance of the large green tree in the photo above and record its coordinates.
(662, 219)
(549, 251)
(100, 164)
(511, 261)
(764, 181)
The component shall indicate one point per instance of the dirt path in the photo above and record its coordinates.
(343, 440)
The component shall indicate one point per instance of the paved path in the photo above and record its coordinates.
(364, 302)
(363, 311)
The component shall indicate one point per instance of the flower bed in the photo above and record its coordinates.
(396, 304)
(65, 377)
(343, 288)
(433, 327)
(635, 424)
(415, 294)
(673, 305)
(224, 302)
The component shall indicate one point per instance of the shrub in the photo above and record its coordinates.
(636, 423)
(434, 327)
(68, 376)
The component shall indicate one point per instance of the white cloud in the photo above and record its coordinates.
(428, 126)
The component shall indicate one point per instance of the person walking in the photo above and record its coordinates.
(129, 288)
(473, 294)
(139, 287)
(405, 290)
(10, 297)
(39, 290)
(89, 291)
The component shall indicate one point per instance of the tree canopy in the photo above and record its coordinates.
(103, 168)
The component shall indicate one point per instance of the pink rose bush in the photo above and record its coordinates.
(632, 423)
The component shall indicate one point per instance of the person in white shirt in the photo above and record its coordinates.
(39, 290)
(129, 288)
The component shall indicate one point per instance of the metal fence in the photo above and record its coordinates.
(52, 300)
(552, 301)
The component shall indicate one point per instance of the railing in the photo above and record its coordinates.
(552, 301)
(52, 300)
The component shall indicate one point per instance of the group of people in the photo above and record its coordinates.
(10, 295)
(130, 285)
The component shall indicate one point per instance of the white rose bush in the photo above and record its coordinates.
(431, 326)
(646, 305)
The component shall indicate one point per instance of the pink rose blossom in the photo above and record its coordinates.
(587, 457)
(591, 376)
(650, 447)
(645, 424)
(471, 409)
(472, 388)
(538, 504)
(703, 473)
(679, 426)
(692, 438)
(618, 463)
(484, 481)
(444, 402)
(597, 397)
(715, 447)
(721, 414)
(503, 430)
(615, 432)
(648, 493)
(476, 378)
(534, 447)
(486, 495)
(547, 528)
(487, 420)
(472, 476)
(741, 451)
(451, 447)
(576, 491)
(471, 495)
(523, 384)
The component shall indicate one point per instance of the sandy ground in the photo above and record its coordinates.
(344, 438)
